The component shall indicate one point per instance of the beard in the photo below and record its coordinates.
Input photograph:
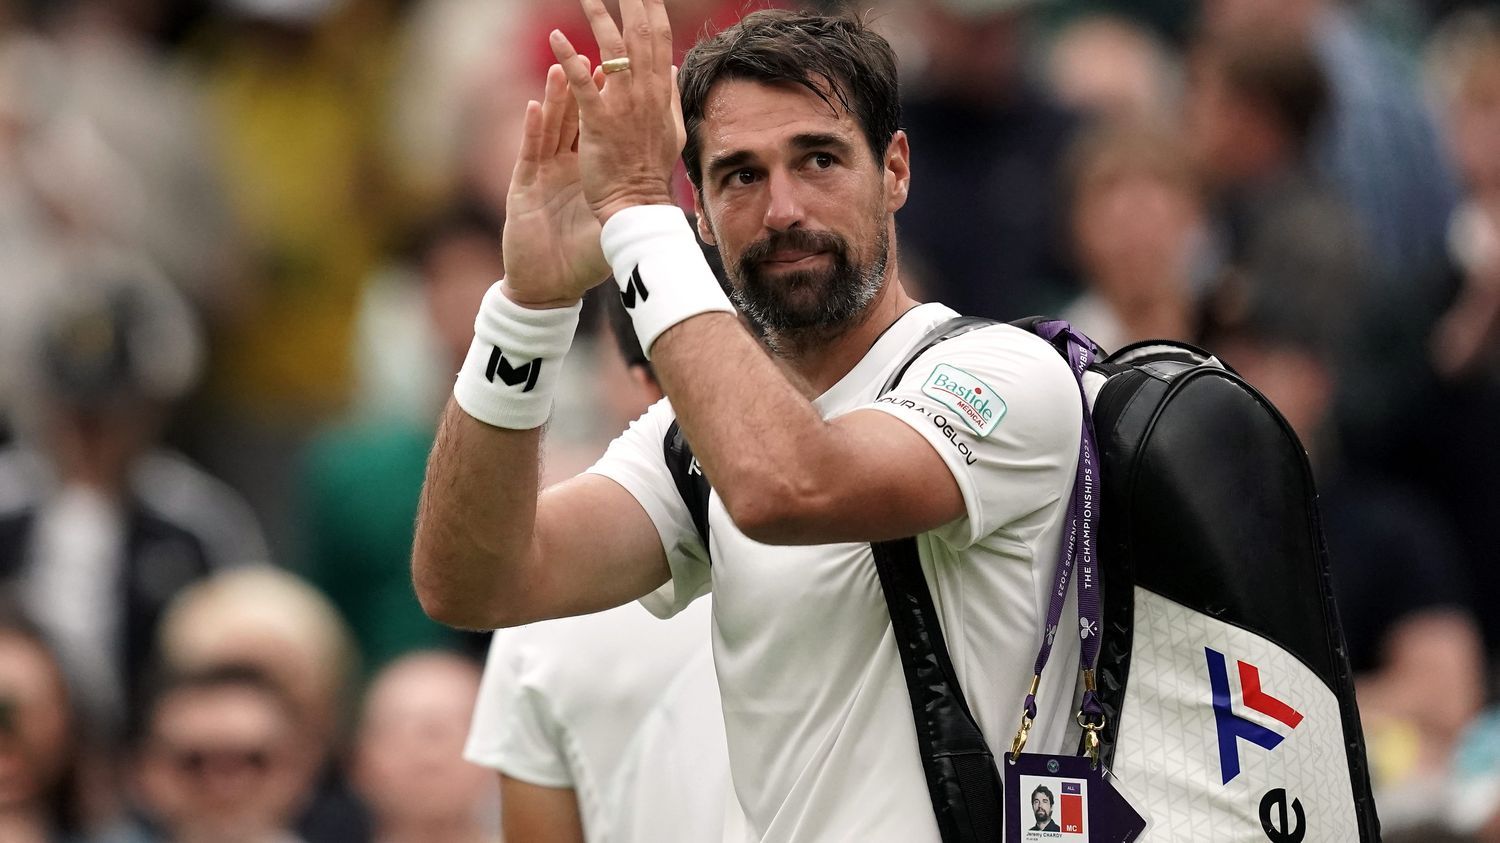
(793, 309)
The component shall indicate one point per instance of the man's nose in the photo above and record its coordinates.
(784, 208)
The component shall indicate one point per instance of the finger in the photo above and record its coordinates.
(529, 159)
(661, 35)
(677, 118)
(606, 34)
(556, 103)
(579, 73)
(639, 43)
(567, 136)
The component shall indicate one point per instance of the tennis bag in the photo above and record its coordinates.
(1229, 701)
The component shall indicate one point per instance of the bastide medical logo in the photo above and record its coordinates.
(1231, 726)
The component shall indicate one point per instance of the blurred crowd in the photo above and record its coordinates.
(242, 243)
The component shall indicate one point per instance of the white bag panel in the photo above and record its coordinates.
(1167, 762)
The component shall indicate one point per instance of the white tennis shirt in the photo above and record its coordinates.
(562, 701)
(822, 746)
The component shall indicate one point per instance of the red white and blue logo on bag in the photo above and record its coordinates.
(1232, 726)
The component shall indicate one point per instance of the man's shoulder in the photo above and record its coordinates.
(996, 349)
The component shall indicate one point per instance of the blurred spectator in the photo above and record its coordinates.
(1107, 66)
(101, 149)
(1377, 147)
(1140, 231)
(361, 480)
(129, 157)
(1449, 448)
(563, 702)
(1472, 800)
(1398, 574)
(31, 245)
(459, 84)
(1252, 104)
(408, 756)
(297, 97)
(39, 740)
(100, 526)
(217, 761)
(268, 619)
(985, 218)
(1464, 71)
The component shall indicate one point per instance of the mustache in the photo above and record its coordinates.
(793, 239)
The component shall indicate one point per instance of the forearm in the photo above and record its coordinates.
(477, 518)
(760, 440)
(476, 521)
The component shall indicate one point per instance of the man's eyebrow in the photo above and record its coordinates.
(727, 161)
(723, 162)
(821, 140)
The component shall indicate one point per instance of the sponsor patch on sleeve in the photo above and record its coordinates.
(971, 399)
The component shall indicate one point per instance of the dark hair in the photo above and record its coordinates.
(1041, 788)
(838, 57)
(464, 217)
(1279, 74)
(623, 329)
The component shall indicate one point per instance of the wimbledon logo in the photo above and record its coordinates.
(977, 406)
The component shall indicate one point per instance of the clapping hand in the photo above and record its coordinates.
(632, 132)
(552, 254)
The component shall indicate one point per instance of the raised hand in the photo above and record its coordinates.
(632, 131)
(552, 254)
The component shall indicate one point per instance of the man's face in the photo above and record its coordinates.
(222, 765)
(409, 763)
(34, 723)
(1041, 806)
(798, 206)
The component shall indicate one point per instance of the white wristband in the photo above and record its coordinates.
(662, 273)
(515, 362)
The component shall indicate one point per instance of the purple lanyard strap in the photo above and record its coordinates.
(1079, 549)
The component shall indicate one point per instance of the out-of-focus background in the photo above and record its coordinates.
(241, 247)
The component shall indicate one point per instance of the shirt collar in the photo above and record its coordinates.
(854, 387)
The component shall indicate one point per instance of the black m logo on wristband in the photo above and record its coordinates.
(512, 375)
(633, 286)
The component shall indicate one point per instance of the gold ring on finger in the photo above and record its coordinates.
(615, 65)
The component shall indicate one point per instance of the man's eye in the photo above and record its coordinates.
(823, 160)
(743, 177)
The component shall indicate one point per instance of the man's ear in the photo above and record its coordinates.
(705, 230)
(646, 386)
(897, 172)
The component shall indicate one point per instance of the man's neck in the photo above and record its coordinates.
(820, 365)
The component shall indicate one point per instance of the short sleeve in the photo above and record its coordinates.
(1002, 409)
(636, 460)
(515, 730)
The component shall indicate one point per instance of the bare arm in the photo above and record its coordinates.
(865, 476)
(534, 814)
(489, 551)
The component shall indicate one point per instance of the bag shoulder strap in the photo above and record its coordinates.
(962, 779)
(688, 476)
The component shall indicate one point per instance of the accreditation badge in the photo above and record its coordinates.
(1064, 799)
